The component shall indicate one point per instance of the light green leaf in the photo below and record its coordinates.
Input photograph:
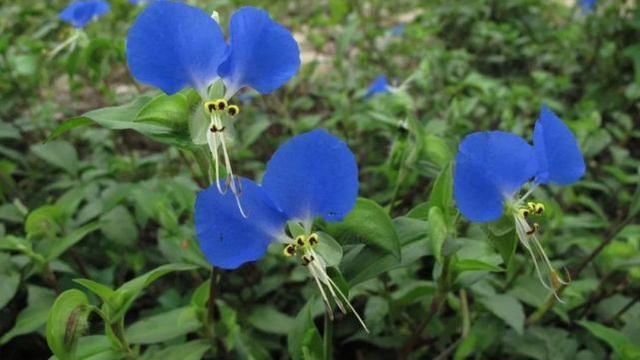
(67, 320)
(9, 280)
(192, 350)
(438, 232)
(59, 246)
(507, 308)
(119, 226)
(270, 320)
(58, 153)
(130, 290)
(44, 220)
(475, 265)
(620, 343)
(502, 235)
(104, 292)
(329, 249)
(34, 316)
(370, 224)
(163, 327)
(304, 341)
(442, 193)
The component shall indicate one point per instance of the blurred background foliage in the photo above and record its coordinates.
(112, 206)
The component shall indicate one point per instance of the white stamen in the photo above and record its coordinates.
(213, 146)
(342, 297)
(227, 164)
(327, 304)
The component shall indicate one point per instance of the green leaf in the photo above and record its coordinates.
(192, 350)
(634, 207)
(8, 131)
(163, 118)
(304, 341)
(119, 226)
(502, 235)
(43, 221)
(620, 343)
(329, 249)
(105, 293)
(442, 193)
(59, 246)
(268, 319)
(507, 308)
(67, 320)
(130, 290)
(9, 280)
(163, 327)
(68, 125)
(58, 153)
(34, 316)
(370, 224)
(367, 263)
(475, 265)
(438, 232)
(94, 347)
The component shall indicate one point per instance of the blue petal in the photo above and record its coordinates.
(79, 13)
(559, 157)
(587, 6)
(263, 54)
(490, 166)
(379, 85)
(173, 45)
(313, 175)
(228, 239)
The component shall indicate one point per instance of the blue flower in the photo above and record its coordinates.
(397, 30)
(491, 168)
(587, 6)
(313, 175)
(379, 85)
(81, 12)
(173, 45)
(263, 54)
(141, 2)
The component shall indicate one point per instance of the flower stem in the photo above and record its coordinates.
(328, 337)
(211, 306)
(434, 308)
(551, 299)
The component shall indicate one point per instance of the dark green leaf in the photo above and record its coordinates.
(367, 223)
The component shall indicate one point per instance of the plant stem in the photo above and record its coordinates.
(211, 307)
(551, 299)
(434, 308)
(328, 337)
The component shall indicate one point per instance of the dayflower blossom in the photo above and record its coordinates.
(491, 168)
(587, 6)
(80, 13)
(141, 2)
(172, 46)
(313, 175)
(379, 85)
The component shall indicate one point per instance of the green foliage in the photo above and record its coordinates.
(98, 175)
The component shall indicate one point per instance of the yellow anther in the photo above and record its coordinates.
(209, 107)
(524, 212)
(539, 208)
(289, 250)
(221, 104)
(300, 240)
(313, 239)
(233, 110)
